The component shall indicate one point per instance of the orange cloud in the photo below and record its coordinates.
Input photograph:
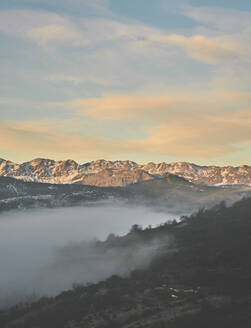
(198, 135)
(134, 107)
(125, 107)
(53, 32)
(193, 134)
(210, 50)
(43, 139)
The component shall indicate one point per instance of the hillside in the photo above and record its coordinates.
(169, 193)
(200, 277)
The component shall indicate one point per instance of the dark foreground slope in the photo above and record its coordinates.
(200, 277)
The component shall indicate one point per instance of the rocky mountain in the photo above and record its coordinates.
(116, 177)
(104, 173)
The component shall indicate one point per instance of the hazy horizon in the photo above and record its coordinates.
(119, 159)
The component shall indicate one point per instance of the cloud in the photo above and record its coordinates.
(40, 26)
(76, 7)
(193, 133)
(155, 108)
(223, 19)
(197, 135)
(123, 107)
(204, 125)
(99, 6)
(47, 138)
(47, 33)
(77, 79)
(46, 27)
(212, 50)
(128, 71)
(209, 50)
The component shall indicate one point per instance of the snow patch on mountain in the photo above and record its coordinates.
(121, 173)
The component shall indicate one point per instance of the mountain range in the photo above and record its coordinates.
(103, 173)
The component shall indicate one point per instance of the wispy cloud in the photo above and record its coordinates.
(193, 133)
(43, 28)
(66, 78)
(40, 26)
(36, 138)
(76, 79)
(155, 108)
(198, 135)
(48, 33)
(209, 50)
(223, 19)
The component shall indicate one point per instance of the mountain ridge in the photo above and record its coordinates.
(106, 173)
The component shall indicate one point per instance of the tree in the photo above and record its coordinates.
(136, 228)
(111, 237)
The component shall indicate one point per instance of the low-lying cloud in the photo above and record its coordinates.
(44, 252)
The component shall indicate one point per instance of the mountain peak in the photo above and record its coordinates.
(121, 172)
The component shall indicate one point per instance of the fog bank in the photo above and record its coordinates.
(43, 252)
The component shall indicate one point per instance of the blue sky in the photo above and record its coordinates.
(147, 80)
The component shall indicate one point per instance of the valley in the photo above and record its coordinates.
(199, 276)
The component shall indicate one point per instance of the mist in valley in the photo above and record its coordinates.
(46, 251)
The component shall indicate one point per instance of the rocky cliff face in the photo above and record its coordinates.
(120, 173)
(116, 177)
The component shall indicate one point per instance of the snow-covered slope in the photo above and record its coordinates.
(210, 175)
(120, 173)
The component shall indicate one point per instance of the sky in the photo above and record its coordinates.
(146, 80)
